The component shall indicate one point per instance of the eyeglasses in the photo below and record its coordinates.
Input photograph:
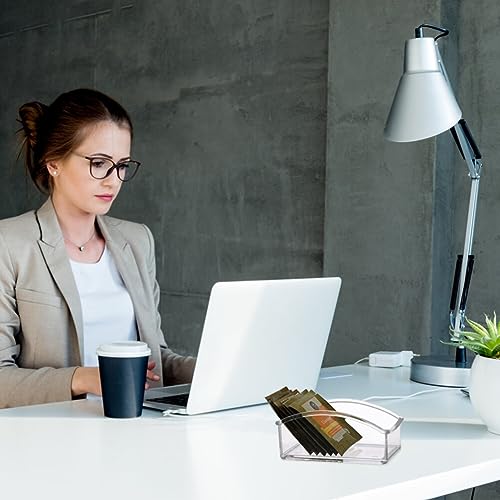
(100, 167)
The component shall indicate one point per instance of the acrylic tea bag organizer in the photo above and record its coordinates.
(380, 430)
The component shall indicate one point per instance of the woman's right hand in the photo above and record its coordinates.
(86, 380)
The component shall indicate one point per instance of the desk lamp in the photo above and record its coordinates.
(424, 106)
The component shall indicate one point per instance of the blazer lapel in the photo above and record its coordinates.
(127, 267)
(54, 252)
(53, 249)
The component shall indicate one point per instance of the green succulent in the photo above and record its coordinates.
(483, 340)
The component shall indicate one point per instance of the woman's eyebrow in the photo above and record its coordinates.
(108, 156)
(101, 154)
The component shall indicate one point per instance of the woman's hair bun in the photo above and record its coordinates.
(31, 116)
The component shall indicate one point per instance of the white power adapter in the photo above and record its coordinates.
(390, 359)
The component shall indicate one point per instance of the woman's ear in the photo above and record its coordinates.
(53, 168)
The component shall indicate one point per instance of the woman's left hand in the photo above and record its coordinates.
(150, 375)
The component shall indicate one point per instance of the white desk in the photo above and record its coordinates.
(69, 450)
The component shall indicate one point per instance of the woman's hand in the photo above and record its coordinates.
(150, 375)
(86, 380)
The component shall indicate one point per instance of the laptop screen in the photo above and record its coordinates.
(259, 336)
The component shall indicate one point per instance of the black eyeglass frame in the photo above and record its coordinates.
(110, 170)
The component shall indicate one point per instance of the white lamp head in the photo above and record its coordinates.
(424, 104)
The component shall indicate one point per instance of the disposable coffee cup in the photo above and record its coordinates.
(122, 368)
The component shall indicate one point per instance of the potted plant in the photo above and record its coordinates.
(484, 340)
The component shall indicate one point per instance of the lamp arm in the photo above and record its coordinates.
(461, 132)
(459, 300)
(472, 157)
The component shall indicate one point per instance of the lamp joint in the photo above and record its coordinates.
(419, 31)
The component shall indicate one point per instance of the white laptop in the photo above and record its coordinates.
(258, 336)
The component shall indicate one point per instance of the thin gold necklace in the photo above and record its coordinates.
(82, 246)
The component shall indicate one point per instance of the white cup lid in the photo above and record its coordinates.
(124, 349)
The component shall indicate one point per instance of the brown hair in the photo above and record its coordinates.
(52, 132)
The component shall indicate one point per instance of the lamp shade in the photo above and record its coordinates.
(424, 104)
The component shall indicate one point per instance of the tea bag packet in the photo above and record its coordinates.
(318, 434)
(319, 443)
(340, 435)
(295, 404)
(274, 401)
(348, 435)
(296, 427)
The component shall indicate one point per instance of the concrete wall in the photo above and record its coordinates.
(229, 101)
(395, 213)
(229, 104)
(379, 195)
(479, 93)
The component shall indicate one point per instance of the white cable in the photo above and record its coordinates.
(338, 375)
(360, 360)
(414, 394)
(173, 413)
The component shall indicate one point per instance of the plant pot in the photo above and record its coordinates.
(485, 391)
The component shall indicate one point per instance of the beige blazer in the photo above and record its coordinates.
(41, 327)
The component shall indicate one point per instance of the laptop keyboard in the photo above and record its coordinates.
(176, 399)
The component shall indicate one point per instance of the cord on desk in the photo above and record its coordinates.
(360, 360)
(412, 395)
(472, 493)
(173, 413)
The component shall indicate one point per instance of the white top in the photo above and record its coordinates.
(107, 310)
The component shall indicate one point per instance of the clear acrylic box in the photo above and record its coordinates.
(379, 427)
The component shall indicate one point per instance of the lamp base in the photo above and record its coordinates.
(440, 370)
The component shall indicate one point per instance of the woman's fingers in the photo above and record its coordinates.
(150, 375)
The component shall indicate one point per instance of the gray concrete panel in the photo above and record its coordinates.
(379, 195)
(479, 94)
(229, 105)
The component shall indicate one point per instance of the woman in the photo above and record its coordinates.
(70, 277)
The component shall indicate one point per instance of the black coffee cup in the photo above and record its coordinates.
(122, 368)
